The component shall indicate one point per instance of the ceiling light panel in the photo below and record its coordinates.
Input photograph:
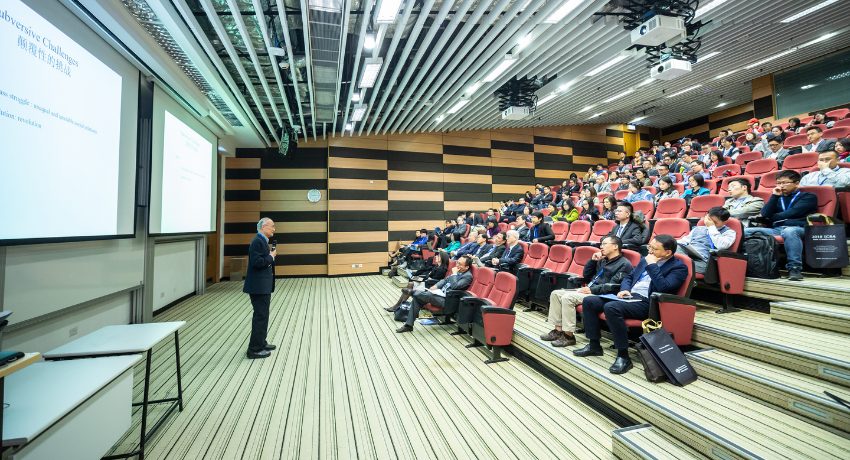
(371, 68)
(606, 65)
(388, 11)
(808, 11)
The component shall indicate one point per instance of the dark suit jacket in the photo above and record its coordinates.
(259, 278)
(667, 278)
(632, 235)
(460, 281)
(513, 256)
(795, 216)
(544, 233)
(496, 254)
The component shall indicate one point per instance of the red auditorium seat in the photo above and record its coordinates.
(838, 114)
(677, 228)
(680, 187)
(763, 166)
(601, 229)
(620, 194)
(767, 182)
(731, 268)
(711, 185)
(503, 227)
(443, 311)
(763, 194)
(632, 256)
(784, 126)
(827, 199)
(560, 229)
(745, 158)
(724, 184)
(801, 161)
(581, 255)
(671, 207)
(491, 318)
(427, 253)
(579, 232)
(601, 197)
(542, 281)
(701, 204)
(728, 170)
(805, 120)
(644, 206)
(535, 257)
(650, 189)
(840, 123)
(743, 149)
(822, 127)
(839, 132)
(796, 140)
(545, 211)
(482, 282)
(844, 205)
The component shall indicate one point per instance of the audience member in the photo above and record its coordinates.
(842, 148)
(637, 193)
(493, 252)
(470, 246)
(713, 235)
(775, 149)
(659, 271)
(426, 277)
(740, 204)
(566, 212)
(522, 228)
(609, 208)
(460, 279)
(492, 227)
(786, 213)
(697, 169)
(628, 230)
(642, 177)
(715, 160)
(603, 274)
(601, 185)
(540, 231)
(829, 173)
(513, 253)
(794, 125)
(665, 190)
(816, 141)
(696, 187)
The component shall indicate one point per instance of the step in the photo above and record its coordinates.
(822, 316)
(822, 290)
(807, 350)
(801, 394)
(645, 442)
(400, 281)
(714, 421)
(385, 271)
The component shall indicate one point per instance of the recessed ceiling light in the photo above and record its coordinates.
(808, 11)
(726, 74)
(707, 56)
(606, 65)
(473, 88)
(823, 37)
(439, 119)
(349, 126)
(586, 108)
(370, 72)
(524, 41)
(546, 99)
(646, 82)
(459, 105)
(595, 115)
(563, 11)
(507, 61)
(679, 93)
(708, 7)
(805, 87)
(355, 97)
(618, 96)
(644, 117)
(369, 41)
(388, 11)
(771, 58)
(359, 112)
(722, 104)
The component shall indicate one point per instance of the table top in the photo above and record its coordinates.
(118, 339)
(20, 363)
(43, 393)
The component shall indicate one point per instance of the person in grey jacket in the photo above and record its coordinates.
(829, 173)
(775, 149)
(603, 273)
(740, 204)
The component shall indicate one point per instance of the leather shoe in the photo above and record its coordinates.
(404, 328)
(795, 274)
(270, 347)
(406, 291)
(621, 365)
(391, 309)
(259, 354)
(588, 350)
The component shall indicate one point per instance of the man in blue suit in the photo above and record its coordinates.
(657, 272)
(513, 253)
(259, 284)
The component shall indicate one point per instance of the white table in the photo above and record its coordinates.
(7, 370)
(129, 339)
(70, 410)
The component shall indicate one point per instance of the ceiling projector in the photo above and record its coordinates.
(670, 69)
(516, 113)
(659, 30)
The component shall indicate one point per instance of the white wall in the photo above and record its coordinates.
(173, 272)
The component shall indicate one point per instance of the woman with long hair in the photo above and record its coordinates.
(609, 206)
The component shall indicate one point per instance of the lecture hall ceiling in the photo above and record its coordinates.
(266, 65)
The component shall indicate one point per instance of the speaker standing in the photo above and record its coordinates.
(259, 285)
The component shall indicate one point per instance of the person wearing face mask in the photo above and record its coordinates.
(786, 211)
(828, 173)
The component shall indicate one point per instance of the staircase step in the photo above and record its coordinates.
(822, 316)
(645, 442)
(400, 281)
(800, 394)
(823, 290)
(385, 271)
(714, 421)
(806, 350)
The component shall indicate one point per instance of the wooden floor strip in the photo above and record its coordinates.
(342, 384)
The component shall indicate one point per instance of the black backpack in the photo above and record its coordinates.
(761, 256)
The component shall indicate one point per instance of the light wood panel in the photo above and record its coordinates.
(357, 184)
(356, 163)
(303, 173)
(479, 142)
(241, 163)
(287, 195)
(419, 147)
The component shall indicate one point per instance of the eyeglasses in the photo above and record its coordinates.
(784, 182)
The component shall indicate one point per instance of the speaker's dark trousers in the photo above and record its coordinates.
(259, 322)
(616, 313)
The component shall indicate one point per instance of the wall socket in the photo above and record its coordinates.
(73, 331)
(356, 265)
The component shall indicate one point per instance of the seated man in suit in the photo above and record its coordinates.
(493, 251)
(816, 141)
(513, 253)
(460, 279)
(540, 232)
(657, 272)
(476, 241)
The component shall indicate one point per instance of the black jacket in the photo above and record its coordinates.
(259, 277)
(544, 233)
(613, 273)
(512, 256)
(795, 215)
(633, 234)
(496, 254)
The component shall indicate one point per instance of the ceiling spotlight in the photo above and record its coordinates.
(370, 72)
(369, 41)
(355, 97)
(388, 11)
(359, 112)
(349, 126)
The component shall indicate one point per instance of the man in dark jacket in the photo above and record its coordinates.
(494, 252)
(787, 210)
(259, 285)
(603, 273)
(460, 279)
(540, 232)
(660, 272)
(513, 253)
(627, 229)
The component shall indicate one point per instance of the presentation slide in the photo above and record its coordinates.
(60, 119)
(187, 168)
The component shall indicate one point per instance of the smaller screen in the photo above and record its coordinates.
(187, 169)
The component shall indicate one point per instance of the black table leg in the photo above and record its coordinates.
(179, 381)
(145, 405)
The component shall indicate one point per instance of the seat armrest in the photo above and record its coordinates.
(497, 311)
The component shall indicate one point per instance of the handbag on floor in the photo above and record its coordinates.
(651, 369)
(669, 357)
(825, 242)
(403, 311)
